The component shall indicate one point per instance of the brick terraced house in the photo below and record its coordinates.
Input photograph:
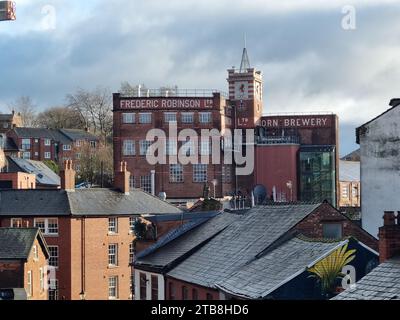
(264, 253)
(23, 264)
(89, 232)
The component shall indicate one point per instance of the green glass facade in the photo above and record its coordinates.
(318, 174)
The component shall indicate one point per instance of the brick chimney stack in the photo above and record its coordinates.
(389, 236)
(121, 179)
(67, 175)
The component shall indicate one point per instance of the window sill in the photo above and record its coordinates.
(112, 266)
(51, 235)
(112, 234)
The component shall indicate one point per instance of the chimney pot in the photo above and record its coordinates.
(394, 102)
(67, 176)
(389, 219)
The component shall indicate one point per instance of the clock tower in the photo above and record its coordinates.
(245, 93)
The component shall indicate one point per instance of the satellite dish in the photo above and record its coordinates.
(260, 193)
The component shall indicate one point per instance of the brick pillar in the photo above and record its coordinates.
(121, 179)
(389, 236)
(67, 175)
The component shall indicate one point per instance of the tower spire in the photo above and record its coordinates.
(245, 63)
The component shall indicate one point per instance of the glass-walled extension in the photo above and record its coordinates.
(317, 174)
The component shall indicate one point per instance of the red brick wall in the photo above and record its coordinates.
(312, 226)
(178, 285)
(389, 236)
(19, 180)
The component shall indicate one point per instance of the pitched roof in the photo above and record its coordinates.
(352, 156)
(240, 242)
(91, 202)
(16, 243)
(179, 242)
(349, 170)
(44, 175)
(77, 134)
(7, 144)
(382, 283)
(53, 134)
(265, 274)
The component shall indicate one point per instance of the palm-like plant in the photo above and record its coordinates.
(330, 268)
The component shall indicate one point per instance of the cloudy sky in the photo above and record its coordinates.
(309, 61)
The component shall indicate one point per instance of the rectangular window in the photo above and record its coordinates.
(112, 225)
(47, 155)
(67, 147)
(53, 289)
(171, 289)
(226, 174)
(129, 148)
(185, 293)
(204, 117)
(26, 144)
(113, 287)
(47, 142)
(93, 144)
(35, 253)
(78, 155)
(113, 254)
(205, 147)
(195, 294)
(175, 173)
(145, 183)
(41, 279)
(332, 230)
(143, 286)
(29, 284)
(41, 224)
(52, 226)
(154, 287)
(78, 143)
(355, 191)
(345, 192)
(16, 223)
(26, 155)
(199, 173)
(171, 147)
(132, 182)
(128, 118)
(187, 117)
(53, 259)
(131, 252)
(132, 221)
(144, 145)
(170, 117)
(144, 118)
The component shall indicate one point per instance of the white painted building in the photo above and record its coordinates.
(379, 141)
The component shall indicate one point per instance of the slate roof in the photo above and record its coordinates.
(267, 273)
(91, 202)
(16, 243)
(76, 134)
(349, 170)
(382, 283)
(180, 242)
(53, 134)
(44, 175)
(7, 144)
(239, 243)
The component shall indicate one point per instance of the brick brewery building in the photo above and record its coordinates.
(286, 149)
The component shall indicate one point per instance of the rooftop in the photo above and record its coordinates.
(170, 93)
(349, 170)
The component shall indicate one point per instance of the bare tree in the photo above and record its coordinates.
(59, 118)
(25, 106)
(94, 108)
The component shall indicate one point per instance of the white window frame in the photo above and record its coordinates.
(198, 172)
(14, 220)
(145, 183)
(145, 118)
(132, 221)
(205, 117)
(113, 255)
(67, 147)
(131, 252)
(55, 258)
(47, 155)
(144, 145)
(113, 287)
(41, 279)
(47, 226)
(128, 148)
(53, 289)
(26, 155)
(35, 253)
(187, 117)
(26, 144)
(78, 143)
(47, 142)
(176, 173)
(29, 283)
(112, 225)
(170, 117)
(128, 118)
